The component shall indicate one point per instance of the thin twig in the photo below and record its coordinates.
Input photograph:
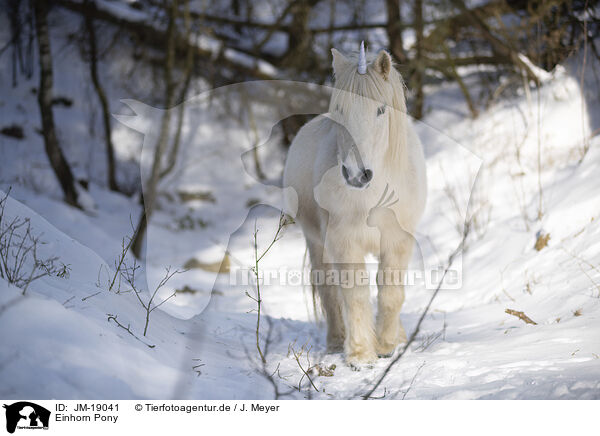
(412, 382)
(90, 296)
(119, 262)
(127, 329)
(283, 221)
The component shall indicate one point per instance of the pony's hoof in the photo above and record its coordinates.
(356, 363)
(356, 366)
(385, 355)
(388, 349)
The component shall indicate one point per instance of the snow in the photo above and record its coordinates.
(201, 344)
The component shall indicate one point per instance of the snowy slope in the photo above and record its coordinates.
(468, 347)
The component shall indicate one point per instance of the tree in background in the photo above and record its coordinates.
(93, 61)
(487, 48)
(57, 160)
(160, 169)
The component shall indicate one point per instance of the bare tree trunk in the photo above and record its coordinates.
(300, 51)
(394, 30)
(57, 160)
(161, 145)
(110, 153)
(419, 73)
(140, 232)
(189, 65)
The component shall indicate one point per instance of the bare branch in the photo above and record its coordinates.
(127, 329)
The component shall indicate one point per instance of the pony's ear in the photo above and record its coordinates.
(383, 64)
(339, 60)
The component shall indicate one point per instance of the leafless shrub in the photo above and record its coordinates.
(304, 351)
(20, 263)
(129, 275)
(284, 220)
(120, 263)
(261, 366)
(112, 280)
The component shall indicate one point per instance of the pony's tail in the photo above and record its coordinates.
(313, 288)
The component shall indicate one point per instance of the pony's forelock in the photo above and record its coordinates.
(352, 88)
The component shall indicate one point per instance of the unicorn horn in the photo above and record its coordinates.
(362, 59)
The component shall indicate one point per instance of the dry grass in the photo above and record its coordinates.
(542, 240)
(521, 316)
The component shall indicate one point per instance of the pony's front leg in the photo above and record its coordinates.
(392, 269)
(360, 341)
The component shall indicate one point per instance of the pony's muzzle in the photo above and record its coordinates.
(359, 180)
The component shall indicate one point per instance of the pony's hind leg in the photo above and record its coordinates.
(330, 299)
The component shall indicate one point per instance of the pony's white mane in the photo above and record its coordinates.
(351, 88)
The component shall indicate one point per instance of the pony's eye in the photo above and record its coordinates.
(380, 110)
(337, 109)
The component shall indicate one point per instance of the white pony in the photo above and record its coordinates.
(359, 178)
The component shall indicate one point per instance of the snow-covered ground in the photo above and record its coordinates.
(524, 154)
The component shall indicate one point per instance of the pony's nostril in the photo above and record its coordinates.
(366, 176)
(345, 172)
(358, 181)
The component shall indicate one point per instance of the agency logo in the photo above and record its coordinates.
(26, 415)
